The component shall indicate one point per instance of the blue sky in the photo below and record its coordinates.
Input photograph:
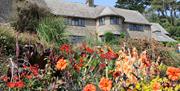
(98, 2)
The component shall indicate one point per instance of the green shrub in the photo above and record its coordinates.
(51, 31)
(7, 41)
(122, 35)
(111, 38)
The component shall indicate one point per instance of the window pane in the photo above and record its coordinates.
(78, 22)
(134, 27)
(114, 20)
(102, 21)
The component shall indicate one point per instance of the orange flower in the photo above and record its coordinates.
(89, 87)
(61, 64)
(105, 84)
(173, 73)
(156, 86)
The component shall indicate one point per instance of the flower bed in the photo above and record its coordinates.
(91, 69)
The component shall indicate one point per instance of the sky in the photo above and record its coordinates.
(98, 2)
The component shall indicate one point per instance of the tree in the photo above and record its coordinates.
(29, 17)
(139, 5)
(167, 13)
(166, 8)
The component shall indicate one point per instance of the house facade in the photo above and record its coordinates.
(93, 21)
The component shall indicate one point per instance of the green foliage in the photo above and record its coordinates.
(122, 35)
(166, 12)
(139, 5)
(7, 41)
(51, 31)
(111, 38)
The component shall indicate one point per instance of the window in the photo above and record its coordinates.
(135, 27)
(68, 21)
(78, 22)
(158, 32)
(114, 20)
(102, 21)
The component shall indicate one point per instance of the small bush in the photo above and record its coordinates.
(111, 38)
(8, 39)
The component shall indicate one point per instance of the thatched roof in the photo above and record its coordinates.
(160, 34)
(157, 27)
(163, 38)
(62, 8)
(107, 11)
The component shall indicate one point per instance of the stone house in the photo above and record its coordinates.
(93, 21)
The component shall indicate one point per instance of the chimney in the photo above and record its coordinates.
(90, 3)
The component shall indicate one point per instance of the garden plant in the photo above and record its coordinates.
(85, 68)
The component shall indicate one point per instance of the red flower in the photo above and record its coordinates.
(89, 50)
(77, 67)
(109, 55)
(89, 87)
(116, 74)
(102, 66)
(20, 84)
(24, 66)
(34, 70)
(83, 55)
(16, 78)
(29, 76)
(5, 78)
(81, 62)
(65, 48)
(23, 74)
(11, 84)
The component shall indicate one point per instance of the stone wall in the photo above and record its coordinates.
(88, 31)
(114, 28)
(93, 30)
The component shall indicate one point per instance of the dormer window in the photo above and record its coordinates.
(114, 20)
(102, 21)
